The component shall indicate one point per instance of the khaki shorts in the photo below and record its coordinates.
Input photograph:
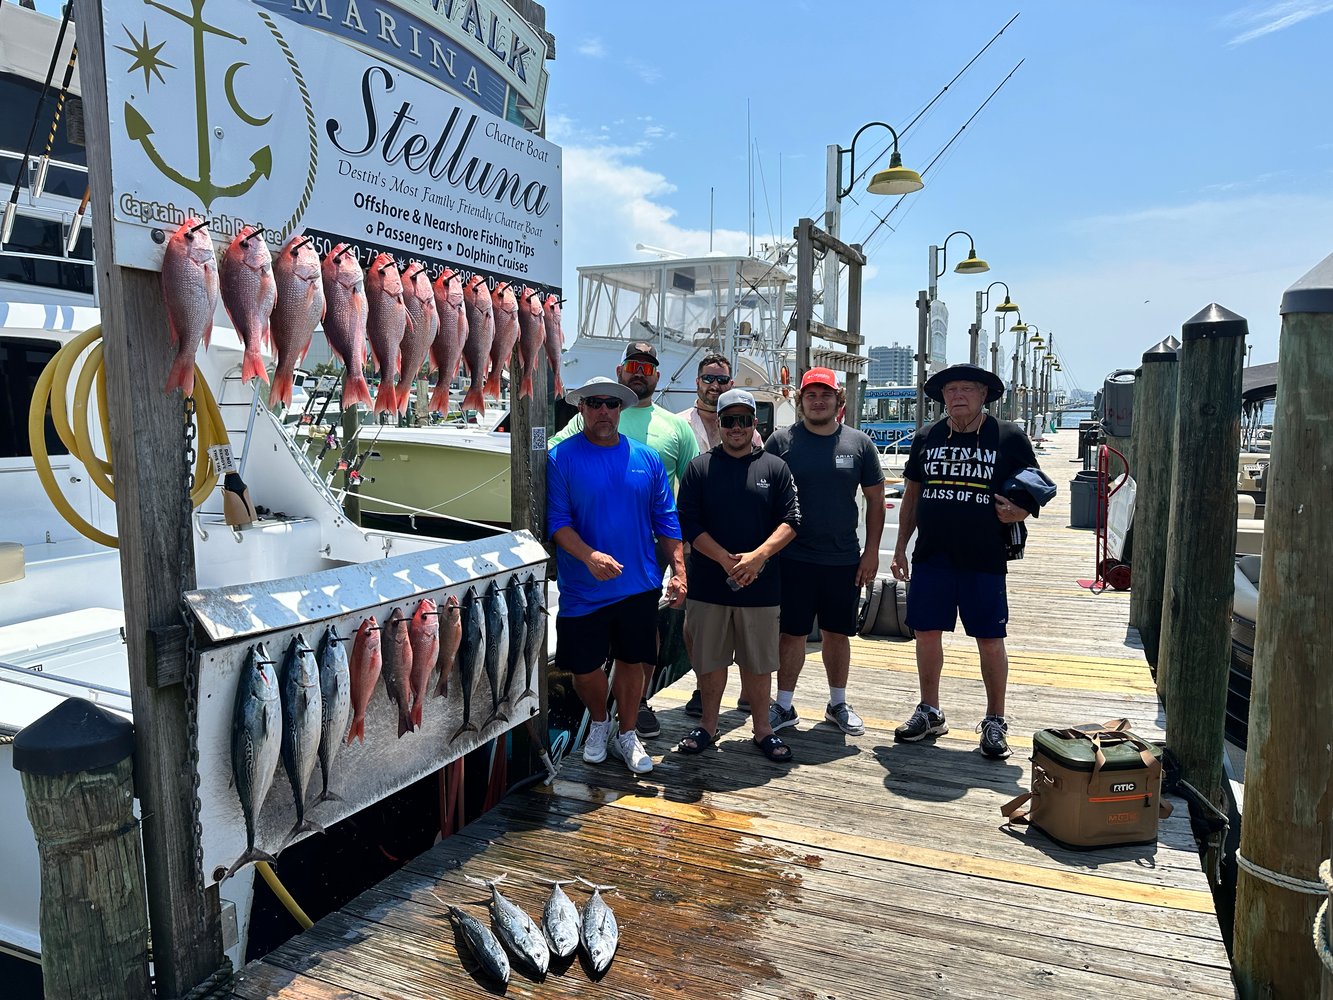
(722, 635)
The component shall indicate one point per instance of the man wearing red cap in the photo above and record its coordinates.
(824, 568)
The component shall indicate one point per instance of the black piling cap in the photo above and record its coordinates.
(1213, 322)
(1313, 292)
(74, 736)
(1163, 351)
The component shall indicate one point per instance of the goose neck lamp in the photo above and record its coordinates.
(1016, 385)
(983, 305)
(939, 262)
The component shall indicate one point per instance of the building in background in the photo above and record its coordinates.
(890, 366)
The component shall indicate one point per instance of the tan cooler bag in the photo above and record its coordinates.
(1093, 786)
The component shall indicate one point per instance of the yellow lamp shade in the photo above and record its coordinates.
(896, 179)
(973, 264)
(1006, 306)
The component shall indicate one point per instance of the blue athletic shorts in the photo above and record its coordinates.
(625, 630)
(939, 594)
(810, 589)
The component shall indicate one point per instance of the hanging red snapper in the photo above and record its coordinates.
(555, 340)
(531, 336)
(397, 649)
(386, 326)
(345, 320)
(299, 309)
(423, 632)
(367, 661)
(505, 309)
(424, 323)
(446, 350)
(480, 335)
(249, 293)
(190, 290)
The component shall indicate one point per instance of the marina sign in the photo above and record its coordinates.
(391, 127)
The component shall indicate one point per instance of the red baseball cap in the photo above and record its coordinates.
(819, 376)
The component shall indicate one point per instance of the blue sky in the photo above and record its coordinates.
(1147, 158)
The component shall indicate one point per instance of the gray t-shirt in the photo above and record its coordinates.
(828, 469)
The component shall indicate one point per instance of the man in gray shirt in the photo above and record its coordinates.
(824, 568)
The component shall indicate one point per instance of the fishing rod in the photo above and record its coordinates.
(76, 223)
(11, 209)
(44, 164)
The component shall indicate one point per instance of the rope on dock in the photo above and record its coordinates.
(218, 985)
(1321, 943)
(1289, 882)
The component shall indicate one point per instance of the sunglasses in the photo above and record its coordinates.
(736, 420)
(597, 402)
(640, 368)
(715, 379)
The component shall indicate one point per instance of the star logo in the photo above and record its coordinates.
(145, 57)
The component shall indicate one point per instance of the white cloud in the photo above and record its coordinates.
(645, 72)
(1264, 19)
(591, 47)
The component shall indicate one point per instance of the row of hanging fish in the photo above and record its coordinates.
(562, 930)
(408, 322)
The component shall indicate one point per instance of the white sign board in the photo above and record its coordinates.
(939, 334)
(332, 118)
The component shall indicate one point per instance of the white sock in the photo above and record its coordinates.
(836, 696)
(784, 699)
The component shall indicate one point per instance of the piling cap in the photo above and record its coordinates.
(1163, 351)
(1213, 322)
(74, 736)
(1312, 293)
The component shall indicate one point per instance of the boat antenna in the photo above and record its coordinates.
(749, 155)
(11, 209)
(710, 219)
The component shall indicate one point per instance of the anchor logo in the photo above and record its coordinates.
(139, 130)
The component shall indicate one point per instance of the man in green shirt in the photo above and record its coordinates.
(667, 433)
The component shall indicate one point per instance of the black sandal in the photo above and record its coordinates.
(702, 740)
(772, 747)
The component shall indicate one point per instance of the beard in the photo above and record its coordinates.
(642, 389)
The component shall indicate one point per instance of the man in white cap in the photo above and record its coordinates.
(952, 501)
(738, 509)
(824, 568)
(608, 498)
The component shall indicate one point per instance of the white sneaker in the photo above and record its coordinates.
(629, 748)
(594, 747)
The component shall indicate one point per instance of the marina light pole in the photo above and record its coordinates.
(939, 261)
(1019, 330)
(983, 304)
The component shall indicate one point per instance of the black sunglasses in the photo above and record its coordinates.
(597, 402)
(736, 420)
(715, 379)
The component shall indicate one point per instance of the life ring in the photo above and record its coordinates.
(785, 375)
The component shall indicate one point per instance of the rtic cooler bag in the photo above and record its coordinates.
(1093, 786)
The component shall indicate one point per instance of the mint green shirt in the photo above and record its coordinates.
(666, 433)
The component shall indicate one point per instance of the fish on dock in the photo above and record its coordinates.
(516, 930)
(345, 319)
(256, 743)
(535, 595)
(480, 335)
(471, 653)
(335, 701)
(423, 633)
(560, 920)
(531, 337)
(516, 607)
(598, 931)
(298, 310)
(451, 635)
(504, 307)
(484, 945)
(386, 326)
(555, 340)
(497, 647)
(396, 645)
(366, 665)
(423, 324)
(249, 293)
(446, 350)
(190, 290)
(302, 722)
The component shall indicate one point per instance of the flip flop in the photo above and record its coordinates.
(702, 740)
(772, 747)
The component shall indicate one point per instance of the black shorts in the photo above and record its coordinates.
(810, 589)
(625, 630)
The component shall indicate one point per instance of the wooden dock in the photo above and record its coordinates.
(867, 869)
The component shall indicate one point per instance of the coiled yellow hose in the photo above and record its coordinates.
(53, 386)
(284, 897)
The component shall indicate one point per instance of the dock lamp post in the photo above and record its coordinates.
(894, 179)
(983, 304)
(1038, 345)
(1019, 330)
(939, 262)
(1029, 348)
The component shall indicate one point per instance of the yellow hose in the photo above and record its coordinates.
(267, 873)
(53, 386)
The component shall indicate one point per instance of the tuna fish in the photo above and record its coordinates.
(480, 336)
(560, 921)
(256, 744)
(482, 943)
(365, 667)
(451, 635)
(516, 930)
(299, 309)
(504, 307)
(555, 340)
(386, 326)
(446, 350)
(190, 289)
(424, 635)
(497, 647)
(531, 337)
(598, 932)
(471, 653)
(345, 320)
(335, 701)
(397, 647)
(249, 293)
(302, 719)
(535, 595)
(423, 325)
(516, 609)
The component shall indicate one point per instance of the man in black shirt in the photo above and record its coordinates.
(952, 501)
(738, 508)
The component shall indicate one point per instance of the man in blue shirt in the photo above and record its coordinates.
(609, 503)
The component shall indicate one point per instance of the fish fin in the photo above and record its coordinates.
(253, 367)
(404, 725)
(492, 387)
(442, 689)
(328, 796)
(251, 855)
(416, 713)
(305, 826)
(386, 400)
(404, 391)
(355, 390)
(525, 388)
(358, 731)
(527, 693)
(466, 727)
(181, 375)
(280, 390)
(439, 400)
(474, 400)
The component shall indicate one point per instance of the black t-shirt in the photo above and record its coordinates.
(739, 502)
(959, 474)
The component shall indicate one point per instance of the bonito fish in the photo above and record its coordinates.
(345, 320)
(302, 721)
(535, 595)
(504, 307)
(471, 653)
(555, 340)
(531, 337)
(516, 607)
(423, 632)
(190, 290)
(397, 647)
(451, 635)
(516, 930)
(249, 293)
(424, 323)
(366, 663)
(560, 921)
(256, 743)
(299, 309)
(497, 647)
(480, 336)
(446, 350)
(598, 931)
(335, 701)
(386, 326)
(483, 944)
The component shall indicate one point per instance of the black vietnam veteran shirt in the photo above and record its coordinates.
(739, 502)
(959, 475)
